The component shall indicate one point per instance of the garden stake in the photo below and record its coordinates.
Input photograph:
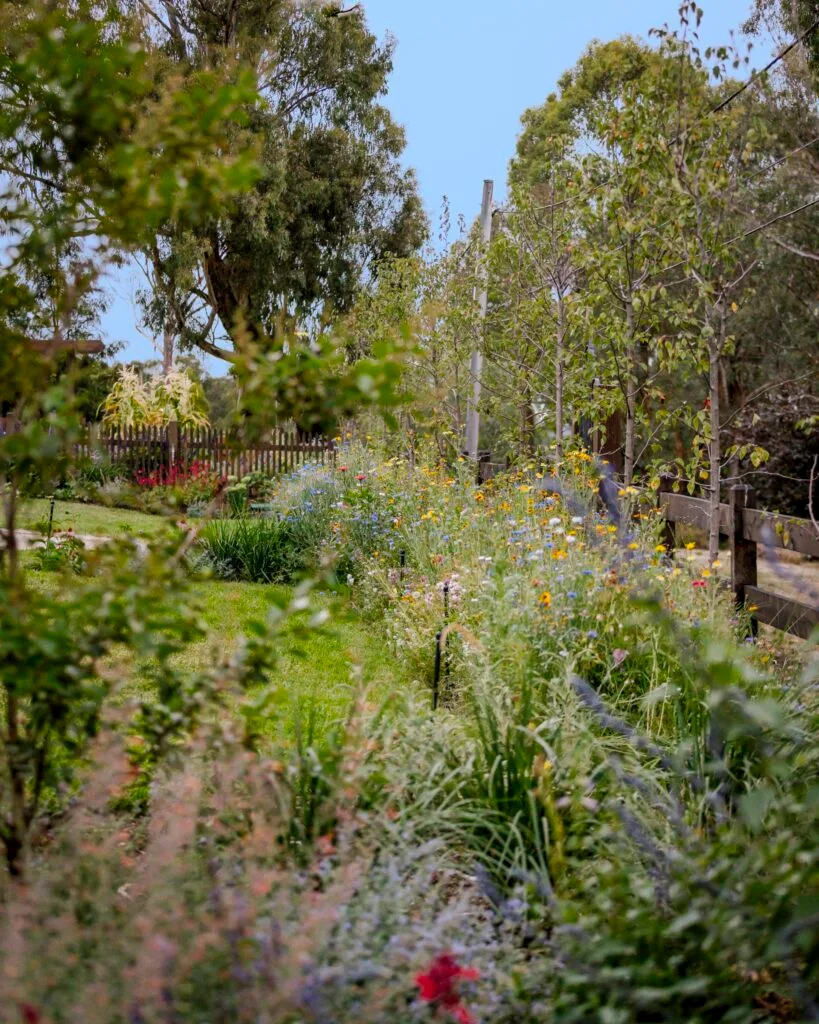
(436, 679)
(403, 562)
(50, 520)
(446, 620)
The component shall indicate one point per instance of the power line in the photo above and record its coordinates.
(757, 174)
(708, 113)
(758, 74)
(747, 234)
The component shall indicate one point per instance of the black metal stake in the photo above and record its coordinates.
(50, 520)
(446, 620)
(403, 563)
(436, 679)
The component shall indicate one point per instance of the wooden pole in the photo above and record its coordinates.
(473, 419)
(743, 552)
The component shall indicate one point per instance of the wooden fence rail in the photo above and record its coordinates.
(747, 527)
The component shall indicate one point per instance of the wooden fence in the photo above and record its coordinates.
(747, 527)
(148, 450)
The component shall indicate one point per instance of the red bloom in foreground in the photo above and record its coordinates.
(29, 1013)
(342, 469)
(439, 986)
(361, 476)
(698, 583)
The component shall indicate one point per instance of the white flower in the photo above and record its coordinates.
(554, 521)
(560, 530)
(577, 520)
(570, 539)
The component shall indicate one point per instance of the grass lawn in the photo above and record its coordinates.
(97, 520)
(319, 668)
(328, 664)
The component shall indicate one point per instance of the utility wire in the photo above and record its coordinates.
(758, 74)
(747, 234)
(757, 174)
(708, 113)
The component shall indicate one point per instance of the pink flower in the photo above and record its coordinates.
(619, 656)
(438, 985)
(698, 583)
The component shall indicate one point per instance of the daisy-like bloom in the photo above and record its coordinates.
(479, 496)
(660, 549)
(690, 546)
(634, 546)
(545, 599)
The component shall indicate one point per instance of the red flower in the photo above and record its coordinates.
(698, 583)
(342, 469)
(439, 986)
(361, 476)
(29, 1013)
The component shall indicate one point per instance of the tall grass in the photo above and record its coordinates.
(254, 550)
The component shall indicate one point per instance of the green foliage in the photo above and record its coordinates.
(256, 550)
(54, 690)
(331, 198)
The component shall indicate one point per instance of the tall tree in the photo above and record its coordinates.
(332, 199)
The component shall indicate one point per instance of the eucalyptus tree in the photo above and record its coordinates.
(332, 199)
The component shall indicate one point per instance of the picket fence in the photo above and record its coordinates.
(146, 450)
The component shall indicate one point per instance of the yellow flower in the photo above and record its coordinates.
(545, 599)
(753, 607)
(716, 564)
(706, 573)
(479, 496)
(525, 488)
(612, 529)
(557, 555)
(690, 546)
(660, 549)
(634, 546)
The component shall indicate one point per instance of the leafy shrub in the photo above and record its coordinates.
(63, 553)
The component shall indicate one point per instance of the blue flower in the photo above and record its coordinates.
(592, 634)
(572, 595)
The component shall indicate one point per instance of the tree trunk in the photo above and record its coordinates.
(631, 396)
(559, 373)
(714, 448)
(167, 348)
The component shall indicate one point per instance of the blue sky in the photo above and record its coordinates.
(465, 70)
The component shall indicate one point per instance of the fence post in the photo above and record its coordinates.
(667, 481)
(173, 443)
(743, 552)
